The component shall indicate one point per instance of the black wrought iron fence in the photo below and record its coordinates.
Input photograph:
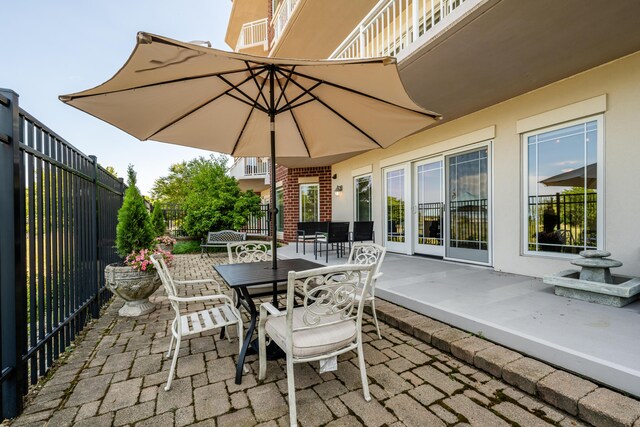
(259, 224)
(563, 222)
(173, 218)
(59, 212)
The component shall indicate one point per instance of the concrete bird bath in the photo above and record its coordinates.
(594, 282)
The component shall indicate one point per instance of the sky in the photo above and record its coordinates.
(55, 47)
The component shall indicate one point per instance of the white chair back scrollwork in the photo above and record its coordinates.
(328, 323)
(250, 251)
(369, 253)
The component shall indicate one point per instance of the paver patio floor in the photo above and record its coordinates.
(116, 376)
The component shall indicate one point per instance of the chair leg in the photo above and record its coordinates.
(262, 352)
(240, 342)
(375, 316)
(326, 253)
(170, 345)
(291, 386)
(363, 369)
(173, 364)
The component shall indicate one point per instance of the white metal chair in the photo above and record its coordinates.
(369, 253)
(328, 323)
(221, 316)
(253, 251)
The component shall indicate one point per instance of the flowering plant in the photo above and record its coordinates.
(165, 240)
(141, 260)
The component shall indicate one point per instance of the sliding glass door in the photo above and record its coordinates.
(396, 181)
(428, 207)
(467, 192)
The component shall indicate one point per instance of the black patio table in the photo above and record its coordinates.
(241, 276)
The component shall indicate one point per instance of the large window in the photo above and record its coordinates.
(562, 200)
(280, 207)
(362, 191)
(309, 202)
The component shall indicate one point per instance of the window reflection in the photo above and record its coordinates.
(562, 183)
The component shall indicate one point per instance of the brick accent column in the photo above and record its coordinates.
(289, 178)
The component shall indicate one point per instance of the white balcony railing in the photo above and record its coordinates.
(253, 34)
(392, 25)
(281, 17)
(250, 167)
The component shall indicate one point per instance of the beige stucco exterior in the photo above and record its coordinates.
(613, 87)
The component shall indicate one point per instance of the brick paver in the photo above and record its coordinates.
(116, 376)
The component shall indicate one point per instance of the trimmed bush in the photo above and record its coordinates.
(157, 220)
(134, 231)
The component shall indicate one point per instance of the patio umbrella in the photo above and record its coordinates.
(186, 94)
(575, 178)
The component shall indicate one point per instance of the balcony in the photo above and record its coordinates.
(281, 17)
(251, 172)
(393, 26)
(460, 56)
(253, 34)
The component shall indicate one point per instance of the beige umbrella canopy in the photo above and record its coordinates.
(190, 95)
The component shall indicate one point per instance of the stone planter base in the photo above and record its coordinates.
(133, 286)
(136, 308)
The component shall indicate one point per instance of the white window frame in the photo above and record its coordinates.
(600, 229)
(355, 195)
(280, 232)
(307, 184)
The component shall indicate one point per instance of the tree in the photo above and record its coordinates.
(174, 188)
(213, 200)
(111, 170)
(134, 231)
(157, 220)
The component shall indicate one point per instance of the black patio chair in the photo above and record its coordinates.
(337, 234)
(363, 232)
(307, 231)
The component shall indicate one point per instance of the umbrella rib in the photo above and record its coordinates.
(304, 141)
(290, 105)
(244, 126)
(188, 113)
(236, 87)
(349, 122)
(282, 89)
(68, 98)
(357, 92)
(253, 77)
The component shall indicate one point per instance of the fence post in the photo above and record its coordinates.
(95, 310)
(12, 256)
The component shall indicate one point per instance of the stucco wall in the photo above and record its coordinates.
(618, 81)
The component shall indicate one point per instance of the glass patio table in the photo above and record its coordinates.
(240, 277)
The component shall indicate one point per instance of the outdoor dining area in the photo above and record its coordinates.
(321, 317)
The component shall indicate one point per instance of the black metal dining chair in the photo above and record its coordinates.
(337, 234)
(363, 232)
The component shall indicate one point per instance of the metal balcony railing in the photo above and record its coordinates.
(281, 17)
(393, 25)
(249, 167)
(253, 34)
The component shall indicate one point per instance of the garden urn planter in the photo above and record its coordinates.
(133, 286)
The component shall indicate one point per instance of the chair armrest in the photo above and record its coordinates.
(186, 282)
(377, 276)
(192, 282)
(267, 307)
(202, 298)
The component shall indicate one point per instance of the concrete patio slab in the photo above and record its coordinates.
(519, 312)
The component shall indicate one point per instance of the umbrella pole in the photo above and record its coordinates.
(274, 209)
